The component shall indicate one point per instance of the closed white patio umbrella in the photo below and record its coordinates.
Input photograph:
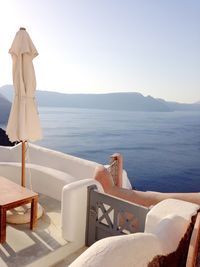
(23, 124)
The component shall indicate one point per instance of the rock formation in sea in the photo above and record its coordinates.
(4, 140)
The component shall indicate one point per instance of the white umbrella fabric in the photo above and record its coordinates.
(23, 124)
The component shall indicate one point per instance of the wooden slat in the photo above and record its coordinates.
(194, 244)
(11, 192)
(13, 195)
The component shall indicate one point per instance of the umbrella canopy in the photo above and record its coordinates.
(23, 123)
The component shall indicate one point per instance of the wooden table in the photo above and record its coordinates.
(13, 195)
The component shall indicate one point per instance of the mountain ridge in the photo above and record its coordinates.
(132, 101)
(113, 101)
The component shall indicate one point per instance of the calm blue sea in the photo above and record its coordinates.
(161, 150)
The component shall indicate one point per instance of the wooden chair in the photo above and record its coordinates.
(193, 251)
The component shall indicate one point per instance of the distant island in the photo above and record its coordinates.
(5, 106)
(109, 101)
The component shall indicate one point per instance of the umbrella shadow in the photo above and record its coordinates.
(42, 245)
(39, 243)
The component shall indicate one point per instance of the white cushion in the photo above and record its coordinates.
(167, 207)
(134, 250)
(170, 231)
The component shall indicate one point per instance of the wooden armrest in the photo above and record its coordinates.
(194, 244)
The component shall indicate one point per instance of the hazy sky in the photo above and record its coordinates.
(99, 46)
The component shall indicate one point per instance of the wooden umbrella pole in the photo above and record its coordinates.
(23, 177)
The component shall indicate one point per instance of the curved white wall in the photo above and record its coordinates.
(57, 175)
(74, 206)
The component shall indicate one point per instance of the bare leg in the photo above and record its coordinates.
(139, 197)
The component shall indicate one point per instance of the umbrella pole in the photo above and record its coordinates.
(23, 163)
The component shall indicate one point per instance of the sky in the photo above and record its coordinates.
(102, 46)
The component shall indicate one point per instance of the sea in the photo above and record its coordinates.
(161, 150)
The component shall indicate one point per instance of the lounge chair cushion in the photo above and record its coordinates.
(170, 231)
(118, 251)
(166, 207)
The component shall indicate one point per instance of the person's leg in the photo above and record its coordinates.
(139, 197)
(103, 176)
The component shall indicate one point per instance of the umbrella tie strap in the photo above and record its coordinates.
(25, 96)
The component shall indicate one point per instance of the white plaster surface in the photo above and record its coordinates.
(74, 203)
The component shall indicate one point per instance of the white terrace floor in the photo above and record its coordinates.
(42, 247)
